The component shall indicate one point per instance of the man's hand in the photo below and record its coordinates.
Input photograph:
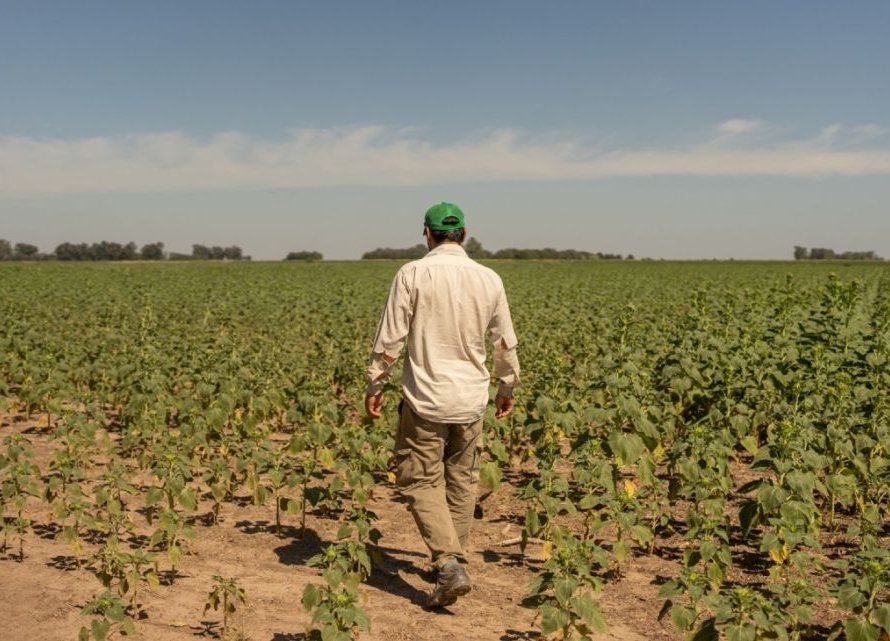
(503, 405)
(374, 404)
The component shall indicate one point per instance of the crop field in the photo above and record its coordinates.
(698, 450)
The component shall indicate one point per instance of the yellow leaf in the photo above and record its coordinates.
(658, 452)
(547, 551)
(326, 457)
(630, 487)
(779, 555)
(391, 477)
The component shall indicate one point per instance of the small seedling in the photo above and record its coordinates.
(113, 619)
(226, 593)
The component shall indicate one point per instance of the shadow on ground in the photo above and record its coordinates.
(302, 545)
(519, 635)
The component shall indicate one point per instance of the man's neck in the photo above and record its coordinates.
(445, 243)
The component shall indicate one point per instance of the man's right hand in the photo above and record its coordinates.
(374, 404)
(503, 405)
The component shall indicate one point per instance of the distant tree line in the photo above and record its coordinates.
(409, 253)
(552, 254)
(475, 249)
(19, 251)
(824, 253)
(107, 250)
(304, 255)
(202, 252)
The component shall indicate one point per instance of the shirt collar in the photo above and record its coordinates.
(448, 248)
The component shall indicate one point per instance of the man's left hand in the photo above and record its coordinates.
(374, 404)
(503, 406)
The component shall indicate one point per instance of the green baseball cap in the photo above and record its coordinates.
(436, 217)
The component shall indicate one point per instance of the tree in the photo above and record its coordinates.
(550, 254)
(304, 255)
(5, 249)
(201, 252)
(70, 251)
(152, 251)
(800, 253)
(821, 253)
(474, 249)
(232, 253)
(107, 250)
(25, 251)
(410, 253)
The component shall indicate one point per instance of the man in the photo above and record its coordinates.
(444, 305)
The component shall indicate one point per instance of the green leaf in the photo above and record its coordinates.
(750, 443)
(188, 500)
(330, 632)
(740, 632)
(749, 515)
(152, 579)
(770, 542)
(552, 619)
(589, 611)
(682, 617)
(100, 629)
(859, 630)
(311, 597)
(708, 550)
(174, 555)
(621, 550)
(490, 475)
(881, 616)
(362, 620)
(849, 596)
(153, 496)
(670, 589)
(626, 447)
(127, 628)
(532, 522)
(563, 589)
(641, 533)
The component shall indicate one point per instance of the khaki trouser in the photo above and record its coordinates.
(437, 470)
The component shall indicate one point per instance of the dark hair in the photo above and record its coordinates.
(454, 235)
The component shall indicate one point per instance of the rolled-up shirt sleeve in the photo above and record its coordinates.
(503, 338)
(395, 321)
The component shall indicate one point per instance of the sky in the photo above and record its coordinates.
(680, 130)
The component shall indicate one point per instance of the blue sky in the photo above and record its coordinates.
(664, 129)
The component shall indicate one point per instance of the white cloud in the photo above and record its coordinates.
(375, 155)
(738, 126)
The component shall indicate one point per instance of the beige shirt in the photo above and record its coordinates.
(444, 305)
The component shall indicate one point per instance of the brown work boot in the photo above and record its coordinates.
(451, 582)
